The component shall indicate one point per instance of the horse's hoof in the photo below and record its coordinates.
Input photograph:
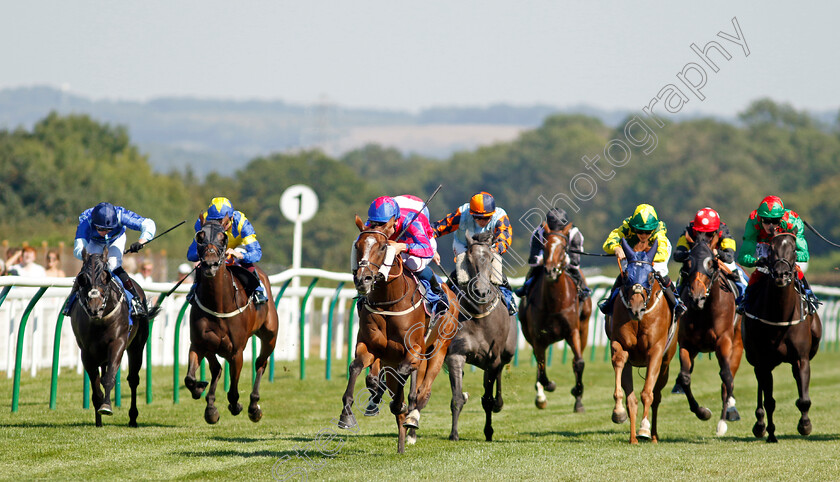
(677, 388)
(198, 390)
(541, 403)
(721, 428)
(619, 417)
(105, 409)
(410, 439)
(759, 430)
(132, 423)
(371, 410)
(771, 439)
(412, 420)
(644, 429)
(235, 410)
(579, 407)
(732, 415)
(211, 415)
(347, 421)
(550, 386)
(703, 413)
(454, 437)
(804, 427)
(497, 406)
(255, 415)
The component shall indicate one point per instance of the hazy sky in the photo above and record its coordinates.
(412, 55)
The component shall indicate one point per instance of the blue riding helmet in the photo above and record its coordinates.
(219, 208)
(382, 209)
(104, 216)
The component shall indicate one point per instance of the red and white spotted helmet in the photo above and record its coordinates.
(706, 220)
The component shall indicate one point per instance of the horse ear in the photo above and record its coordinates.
(715, 240)
(391, 222)
(567, 229)
(628, 251)
(84, 255)
(652, 251)
(469, 237)
(688, 237)
(359, 223)
(226, 222)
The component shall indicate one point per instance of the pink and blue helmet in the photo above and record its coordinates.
(382, 209)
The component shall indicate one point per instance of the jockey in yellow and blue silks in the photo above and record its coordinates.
(480, 215)
(242, 240)
(644, 226)
(103, 227)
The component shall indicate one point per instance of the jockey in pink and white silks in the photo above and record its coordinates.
(415, 246)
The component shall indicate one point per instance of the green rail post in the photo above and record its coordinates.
(302, 323)
(836, 324)
(253, 358)
(56, 346)
(149, 364)
(330, 330)
(550, 351)
(276, 305)
(516, 347)
(227, 376)
(118, 388)
(566, 351)
(202, 375)
(176, 365)
(86, 391)
(19, 349)
(350, 353)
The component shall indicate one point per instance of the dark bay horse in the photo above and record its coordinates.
(777, 328)
(641, 334)
(553, 312)
(222, 320)
(100, 323)
(395, 331)
(487, 336)
(708, 326)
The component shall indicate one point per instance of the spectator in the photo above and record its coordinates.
(27, 265)
(2, 268)
(12, 258)
(145, 274)
(53, 269)
(184, 271)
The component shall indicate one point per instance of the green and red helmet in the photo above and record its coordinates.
(771, 207)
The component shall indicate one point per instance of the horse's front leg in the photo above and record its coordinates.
(802, 374)
(577, 366)
(723, 351)
(363, 359)
(543, 384)
(487, 401)
(459, 398)
(236, 362)
(661, 381)
(653, 368)
(196, 388)
(398, 408)
(109, 377)
(211, 414)
(684, 382)
(96, 397)
(619, 359)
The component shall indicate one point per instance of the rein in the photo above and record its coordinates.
(116, 306)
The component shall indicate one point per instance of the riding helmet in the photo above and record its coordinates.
(556, 218)
(219, 208)
(382, 209)
(104, 216)
(771, 207)
(482, 205)
(706, 220)
(644, 218)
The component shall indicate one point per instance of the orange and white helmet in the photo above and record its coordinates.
(706, 220)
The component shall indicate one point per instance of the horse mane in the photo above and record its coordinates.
(483, 238)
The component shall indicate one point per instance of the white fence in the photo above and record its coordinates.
(40, 329)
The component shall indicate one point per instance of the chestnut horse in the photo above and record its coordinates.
(486, 337)
(100, 322)
(709, 325)
(553, 312)
(222, 320)
(395, 331)
(641, 334)
(778, 327)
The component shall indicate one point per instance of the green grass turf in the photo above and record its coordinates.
(174, 442)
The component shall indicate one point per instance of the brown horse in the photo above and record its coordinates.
(222, 320)
(640, 332)
(778, 327)
(395, 330)
(100, 323)
(709, 325)
(553, 312)
(486, 337)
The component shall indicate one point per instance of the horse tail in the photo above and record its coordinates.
(153, 312)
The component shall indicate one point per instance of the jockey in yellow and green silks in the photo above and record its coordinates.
(644, 226)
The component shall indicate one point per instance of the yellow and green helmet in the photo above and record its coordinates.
(771, 207)
(644, 218)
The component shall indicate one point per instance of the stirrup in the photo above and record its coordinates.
(259, 297)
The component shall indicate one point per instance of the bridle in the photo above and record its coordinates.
(638, 288)
(365, 266)
(560, 267)
(99, 291)
(477, 304)
(775, 261)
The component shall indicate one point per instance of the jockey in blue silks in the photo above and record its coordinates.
(242, 241)
(103, 226)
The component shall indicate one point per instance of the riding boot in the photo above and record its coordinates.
(742, 306)
(191, 294)
(671, 295)
(810, 297)
(443, 301)
(606, 306)
(523, 290)
(577, 277)
(71, 300)
(507, 291)
(138, 303)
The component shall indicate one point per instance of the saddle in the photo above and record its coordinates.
(250, 281)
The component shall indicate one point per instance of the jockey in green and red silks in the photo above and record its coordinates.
(771, 218)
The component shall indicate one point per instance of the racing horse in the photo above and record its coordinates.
(554, 312)
(222, 320)
(641, 333)
(487, 334)
(395, 331)
(708, 326)
(100, 320)
(778, 327)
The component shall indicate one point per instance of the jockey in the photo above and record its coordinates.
(556, 220)
(706, 224)
(242, 241)
(414, 246)
(480, 215)
(771, 218)
(103, 226)
(644, 227)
